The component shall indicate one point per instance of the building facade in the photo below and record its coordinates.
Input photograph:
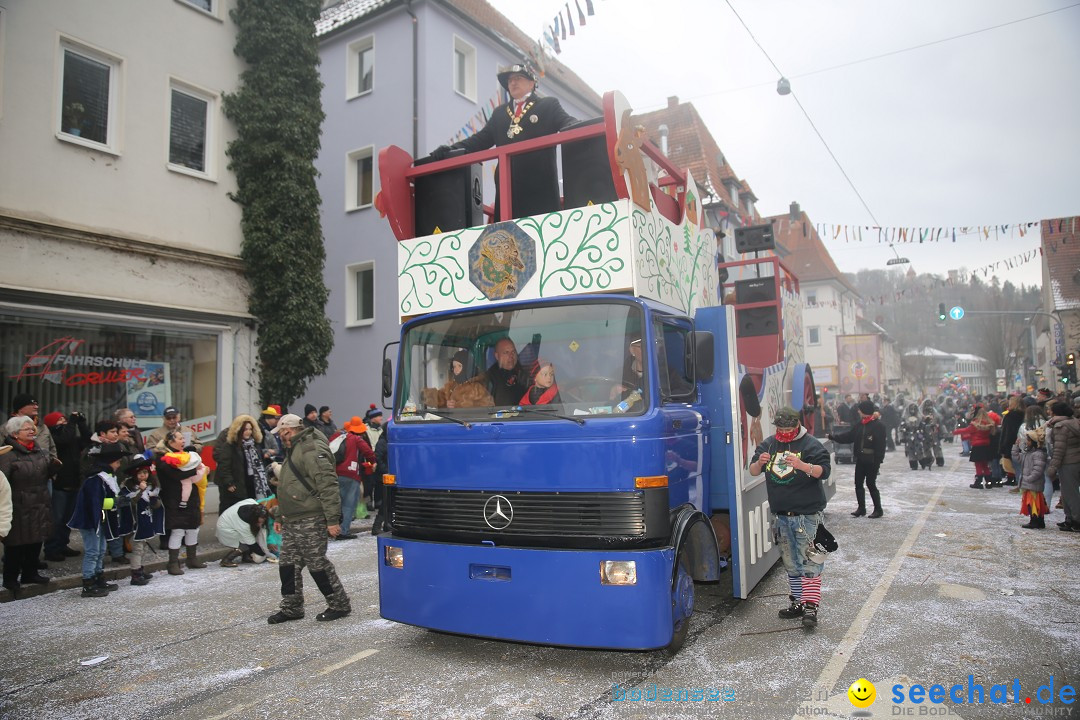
(121, 282)
(407, 74)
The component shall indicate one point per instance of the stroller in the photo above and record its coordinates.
(845, 452)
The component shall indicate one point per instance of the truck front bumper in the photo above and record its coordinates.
(544, 596)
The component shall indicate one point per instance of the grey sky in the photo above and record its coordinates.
(980, 130)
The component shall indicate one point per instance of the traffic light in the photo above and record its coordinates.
(941, 314)
(1065, 374)
(1070, 368)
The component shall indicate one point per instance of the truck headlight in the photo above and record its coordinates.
(618, 572)
(394, 557)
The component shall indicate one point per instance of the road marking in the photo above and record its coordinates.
(348, 661)
(232, 711)
(835, 667)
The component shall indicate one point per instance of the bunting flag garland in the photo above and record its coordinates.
(561, 26)
(921, 234)
(479, 119)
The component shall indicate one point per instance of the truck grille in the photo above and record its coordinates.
(535, 514)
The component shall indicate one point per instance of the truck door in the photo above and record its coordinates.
(684, 426)
(732, 488)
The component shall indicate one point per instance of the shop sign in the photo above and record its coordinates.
(57, 363)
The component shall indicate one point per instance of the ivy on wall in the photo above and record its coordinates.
(278, 114)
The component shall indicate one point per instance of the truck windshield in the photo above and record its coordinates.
(571, 359)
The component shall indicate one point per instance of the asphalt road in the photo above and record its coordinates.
(946, 585)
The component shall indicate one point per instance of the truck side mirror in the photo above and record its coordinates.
(704, 355)
(387, 378)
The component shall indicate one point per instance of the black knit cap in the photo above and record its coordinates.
(22, 400)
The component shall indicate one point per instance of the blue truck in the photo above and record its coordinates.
(585, 519)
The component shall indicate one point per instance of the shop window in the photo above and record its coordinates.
(360, 73)
(360, 294)
(464, 69)
(359, 178)
(97, 368)
(190, 112)
(88, 96)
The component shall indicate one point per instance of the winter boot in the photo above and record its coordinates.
(174, 562)
(99, 582)
(1010, 480)
(138, 577)
(230, 558)
(978, 484)
(193, 561)
(859, 511)
(809, 618)
(1037, 522)
(90, 589)
(795, 610)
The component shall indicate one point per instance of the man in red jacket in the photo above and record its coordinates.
(359, 461)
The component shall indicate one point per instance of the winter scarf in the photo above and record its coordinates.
(256, 468)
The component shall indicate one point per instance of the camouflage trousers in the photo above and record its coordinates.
(303, 543)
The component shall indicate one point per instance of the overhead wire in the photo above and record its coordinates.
(870, 58)
(817, 132)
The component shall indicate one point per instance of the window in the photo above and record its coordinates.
(360, 72)
(359, 178)
(204, 5)
(813, 336)
(464, 68)
(811, 299)
(88, 96)
(360, 294)
(590, 344)
(189, 129)
(734, 195)
(674, 342)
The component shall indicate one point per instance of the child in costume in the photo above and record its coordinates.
(1029, 459)
(141, 492)
(186, 462)
(96, 517)
(543, 391)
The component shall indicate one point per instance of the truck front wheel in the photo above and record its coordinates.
(682, 601)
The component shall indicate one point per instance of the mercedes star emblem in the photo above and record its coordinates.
(498, 512)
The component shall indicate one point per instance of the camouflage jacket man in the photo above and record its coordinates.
(307, 484)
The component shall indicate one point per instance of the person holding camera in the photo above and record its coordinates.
(795, 464)
(869, 439)
(70, 435)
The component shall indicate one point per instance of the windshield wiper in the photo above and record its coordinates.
(459, 421)
(525, 409)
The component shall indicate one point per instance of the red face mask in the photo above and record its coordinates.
(786, 435)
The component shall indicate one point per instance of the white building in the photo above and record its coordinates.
(830, 302)
(928, 366)
(121, 282)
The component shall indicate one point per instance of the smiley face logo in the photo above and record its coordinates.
(862, 693)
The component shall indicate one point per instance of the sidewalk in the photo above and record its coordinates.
(68, 574)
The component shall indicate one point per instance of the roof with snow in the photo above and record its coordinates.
(808, 258)
(479, 12)
(1061, 251)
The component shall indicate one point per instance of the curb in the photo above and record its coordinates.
(70, 582)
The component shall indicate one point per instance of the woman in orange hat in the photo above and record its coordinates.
(359, 460)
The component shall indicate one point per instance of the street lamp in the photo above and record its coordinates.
(783, 86)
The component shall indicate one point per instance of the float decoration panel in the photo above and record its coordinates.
(610, 247)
